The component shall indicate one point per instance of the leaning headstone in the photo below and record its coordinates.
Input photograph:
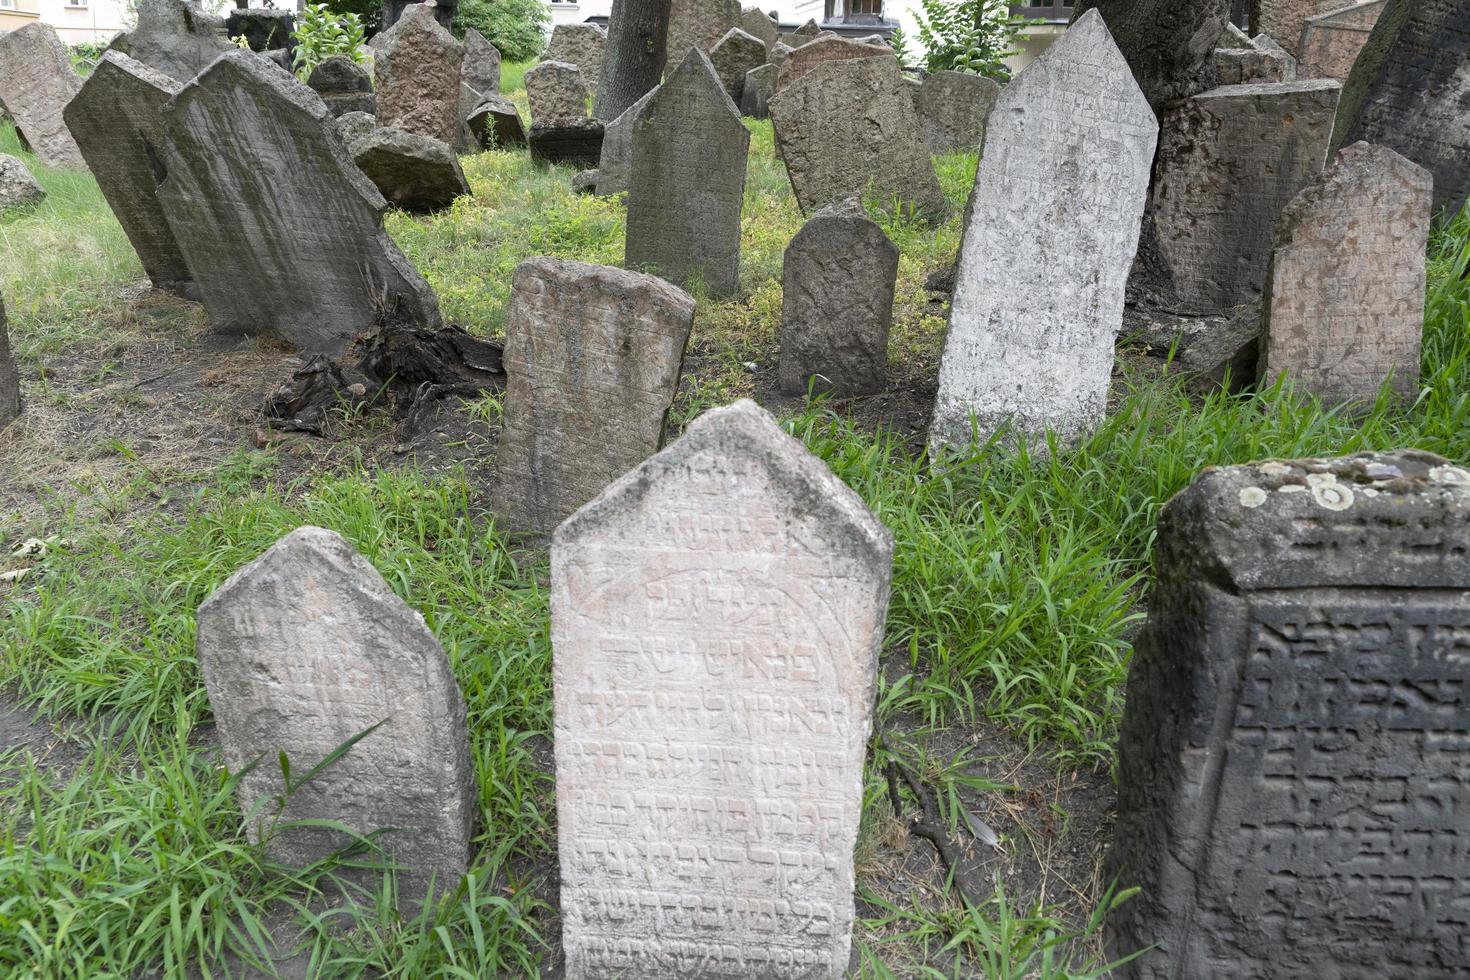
(849, 126)
(1229, 160)
(119, 126)
(581, 45)
(558, 93)
(807, 57)
(9, 377)
(306, 648)
(837, 282)
(1166, 42)
(174, 37)
(263, 28)
(733, 55)
(18, 187)
(698, 23)
(415, 173)
(615, 164)
(689, 149)
(344, 85)
(283, 232)
(1408, 91)
(757, 23)
(592, 358)
(1344, 301)
(36, 82)
(1332, 40)
(759, 87)
(497, 122)
(953, 108)
(481, 70)
(1037, 304)
(716, 618)
(1291, 772)
(416, 71)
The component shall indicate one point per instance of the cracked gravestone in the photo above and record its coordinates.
(36, 82)
(174, 37)
(417, 74)
(953, 108)
(481, 70)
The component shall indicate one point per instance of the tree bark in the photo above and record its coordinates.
(637, 47)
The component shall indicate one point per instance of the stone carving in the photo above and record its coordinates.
(1331, 41)
(807, 57)
(174, 37)
(481, 70)
(698, 23)
(117, 120)
(592, 357)
(615, 166)
(837, 284)
(38, 83)
(1292, 760)
(1037, 304)
(735, 54)
(416, 70)
(283, 232)
(413, 172)
(581, 45)
(344, 85)
(18, 188)
(307, 647)
(558, 93)
(9, 377)
(716, 617)
(689, 149)
(497, 122)
(757, 23)
(755, 96)
(1166, 42)
(953, 107)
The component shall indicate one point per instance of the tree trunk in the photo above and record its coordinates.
(637, 46)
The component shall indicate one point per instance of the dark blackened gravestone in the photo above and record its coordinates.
(1293, 765)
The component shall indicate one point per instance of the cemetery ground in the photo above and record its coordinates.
(142, 474)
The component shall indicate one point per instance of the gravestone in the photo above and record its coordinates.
(117, 120)
(778, 54)
(353, 126)
(1408, 91)
(344, 85)
(837, 282)
(800, 62)
(283, 232)
(307, 647)
(698, 23)
(412, 172)
(174, 37)
(953, 108)
(735, 54)
(689, 149)
(755, 96)
(416, 71)
(1344, 301)
(581, 45)
(849, 126)
(1284, 19)
(18, 187)
(716, 618)
(1166, 42)
(1291, 772)
(577, 142)
(36, 82)
(263, 28)
(1331, 40)
(10, 405)
(497, 122)
(481, 70)
(592, 357)
(1038, 303)
(757, 23)
(1242, 66)
(1229, 160)
(558, 93)
(615, 165)
(393, 11)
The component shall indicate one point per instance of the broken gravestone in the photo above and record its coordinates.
(497, 122)
(581, 45)
(344, 85)
(716, 617)
(755, 95)
(305, 649)
(1166, 42)
(36, 82)
(953, 108)
(615, 165)
(733, 55)
(416, 71)
(283, 232)
(1291, 768)
(481, 70)
(592, 358)
(9, 376)
(18, 187)
(1037, 304)
(174, 37)
(413, 172)
(837, 282)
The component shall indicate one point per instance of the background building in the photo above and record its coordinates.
(76, 21)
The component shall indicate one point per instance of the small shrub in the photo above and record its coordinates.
(320, 34)
(516, 27)
(974, 36)
(84, 56)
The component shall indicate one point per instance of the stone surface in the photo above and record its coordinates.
(1331, 40)
(850, 126)
(119, 127)
(1166, 42)
(1292, 768)
(688, 182)
(36, 82)
(757, 23)
(778, 54)
(443, 11)
(698, 23)
(1408, 91)
(307, 647)
(1051, 232)
(416, 71)
(837, 282)
(481, 70)
(558, 94)
(584, 182)
(283, 232)
(575, 141)
(18, 188)
(415, 173)
(1242, 66)
(344, 85)
(592, 357)
(716, 618)
(497, 122)
(174, 37)
(1284, 19)
(263, 28)
(953, 107)
(733, 55)
(355, 125)
(800, 62)
(10, 404)
(1229, 160)
(581, 45)
(755, 95)
(615, 165)
(1344, 300)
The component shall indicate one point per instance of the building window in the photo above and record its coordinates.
(76, 3)
(7, 4)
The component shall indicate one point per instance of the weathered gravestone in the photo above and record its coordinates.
(306, 648)
(263, 28)
(757, 23)
(1039, 301)
(1409, 89)
(1344, 300)
(18, 187)
(581, 45)
(716, 617)
(1292, 765)
(353, 126)
(1284, 19)
(174, 37)
(481, 70)
(592, 357)
(393, 11)
(849, 126)
(1229, 160)
(283, 232)
(689, 149)
(344, 85)
(698, 23)
(615, 166)
(1242, 66)
(558, 93)
(415, 173)
(1166, 42)
(804, 59)
(953, 108)
(837, 282)
(733, 55)
(1331, 40)
(755, 95)
(416, 71)
(119, 127)
(778, 54)
(36, 82)
(497, 122)
(9, 376)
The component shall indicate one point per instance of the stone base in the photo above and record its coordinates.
(579, 145)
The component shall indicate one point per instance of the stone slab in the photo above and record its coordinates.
(18, 186)
(174, 37)
(577, 142)
(733, 55)
(412, 172)
(558, 93)
(1166, 42)
(38, 82)
(581, 45)
(755, 94)
(698, 23)
(953, 109)
(344, 85)
(615, 165)
(481, 70)
(10, 403)
(757, 23)
(807, 57)
(417, 74)
(1331, 41)
(497, 122)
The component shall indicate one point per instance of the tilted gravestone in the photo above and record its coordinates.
(716, 617)
(1292, 764)
(837, 280)
(481, 70)
(412, 172)
(1332, 40)
(592, 358)
(117, 120)
(581, 45)
(698, 23)
(733, 56)
(18, 186)
(306, 648)
(283, 232)
(558, 94)
(757, 23)
(755, 95)
(688, 182)
(1344, 300)
(416, 71)
(344, 85)
(807, 57)
(1037, 304)
(36, 82)
(174, 37)
(497, 122)
(1408, 91)
(953, 109)
(1166, 42)
(615, 166)
(9, 377)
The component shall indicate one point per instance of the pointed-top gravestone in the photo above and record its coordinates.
(306, 648)
(36, 82)
(18, 187)
(616, 164)
(174, 37)
(716, 617)
(735, 54)
(9, 376)
(1166, 42)
(688, 181)
(283, 232)
(117, 120)
(417, 75)
(481, 70)
(757, 23)
(1052, 229)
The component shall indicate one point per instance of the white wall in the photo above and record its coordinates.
(83, 20)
